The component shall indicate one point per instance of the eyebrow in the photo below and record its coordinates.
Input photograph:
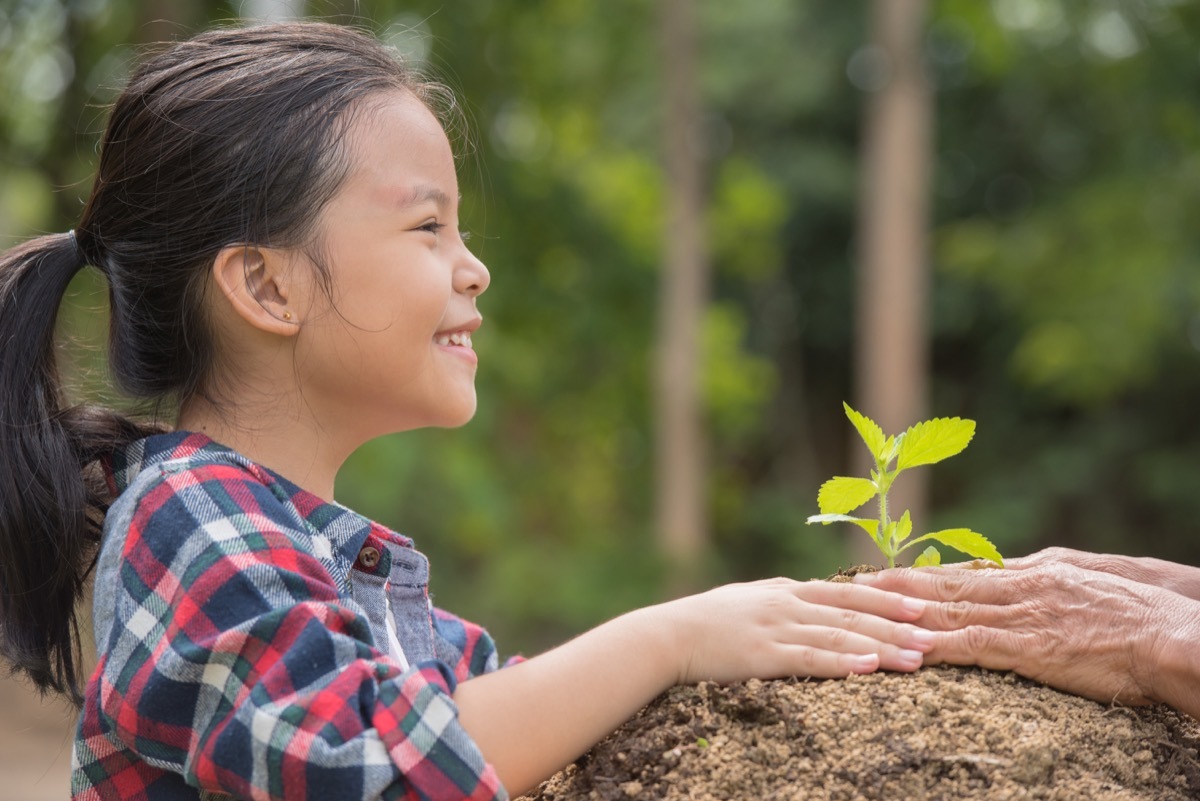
(423, 194)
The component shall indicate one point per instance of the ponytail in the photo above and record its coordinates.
(52, 500)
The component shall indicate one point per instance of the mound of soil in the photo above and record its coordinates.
(941, 733)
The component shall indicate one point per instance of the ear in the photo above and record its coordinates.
(255, 283)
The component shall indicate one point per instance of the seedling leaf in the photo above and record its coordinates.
(933, 441)
(869, 526)
(889, 449)
(965, 540)
(930, 557)
(924, 443)
(868, 429)
(842, 495)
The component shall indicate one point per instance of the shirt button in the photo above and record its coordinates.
(368, 557)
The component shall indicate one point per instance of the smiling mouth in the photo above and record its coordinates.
(460, 338)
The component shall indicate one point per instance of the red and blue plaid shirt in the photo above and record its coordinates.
(248, 635)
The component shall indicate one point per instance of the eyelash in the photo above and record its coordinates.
(434, 227)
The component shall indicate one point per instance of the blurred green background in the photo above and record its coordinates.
(1064, 306)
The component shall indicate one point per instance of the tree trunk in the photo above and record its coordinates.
(680, 446)
(893, 276)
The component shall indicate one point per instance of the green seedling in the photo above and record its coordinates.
(925, 443)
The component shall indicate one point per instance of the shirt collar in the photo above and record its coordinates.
(344, 529)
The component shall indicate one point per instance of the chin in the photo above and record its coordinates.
(459, 415)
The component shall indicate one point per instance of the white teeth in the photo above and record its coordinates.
(460, 338)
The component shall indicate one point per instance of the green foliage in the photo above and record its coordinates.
(1064, 305)
(922, 444)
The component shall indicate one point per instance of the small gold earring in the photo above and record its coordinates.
(287, 315)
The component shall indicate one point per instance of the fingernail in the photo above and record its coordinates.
(911, 657)
(864, 578)
(914, 605)
(922, 638)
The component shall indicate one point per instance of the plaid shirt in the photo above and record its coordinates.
(248, 636)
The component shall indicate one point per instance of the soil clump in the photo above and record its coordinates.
(941, 733)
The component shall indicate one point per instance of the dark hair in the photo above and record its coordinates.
(234, 136)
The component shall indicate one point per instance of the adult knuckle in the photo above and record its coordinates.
(979, 639)
(954, 588)
(957, 614)
(1105, 563)
(1057, 553)
(1066, 579)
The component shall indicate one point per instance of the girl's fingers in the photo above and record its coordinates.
(899, 646)
(865, 625)
(873, 601)
(805, 660)
(814, 660)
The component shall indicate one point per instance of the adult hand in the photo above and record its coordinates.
(1145, 570)
(780, 627)
(1092, 633)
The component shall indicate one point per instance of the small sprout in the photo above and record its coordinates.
(924, 443)
(701, 742)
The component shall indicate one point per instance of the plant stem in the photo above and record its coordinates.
(885, 541)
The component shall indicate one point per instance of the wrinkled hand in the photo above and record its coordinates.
(1144, 570)
(780, 627)
(1092, 633)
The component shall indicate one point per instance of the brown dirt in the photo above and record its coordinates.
(941, 733)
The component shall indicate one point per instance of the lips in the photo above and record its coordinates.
(458, 335)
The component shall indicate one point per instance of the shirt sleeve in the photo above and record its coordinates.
(466, 645)
(233, 662)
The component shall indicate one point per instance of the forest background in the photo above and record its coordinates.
(1058, 280)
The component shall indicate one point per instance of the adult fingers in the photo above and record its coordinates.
(998, 649)
(1048, 556)
(935, 584)
(954, 615)
(1037, 657)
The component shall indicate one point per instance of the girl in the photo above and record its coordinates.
(275, 212)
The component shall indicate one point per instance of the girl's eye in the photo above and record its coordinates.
(432, 227)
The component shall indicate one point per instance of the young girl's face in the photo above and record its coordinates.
(391, 348)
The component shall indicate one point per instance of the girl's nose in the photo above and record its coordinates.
(471, 276)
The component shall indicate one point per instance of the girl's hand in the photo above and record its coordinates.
(1144, 570)
(531, 719)
(1091, 633)
(780, 627)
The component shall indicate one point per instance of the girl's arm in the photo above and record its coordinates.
(533, 718)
